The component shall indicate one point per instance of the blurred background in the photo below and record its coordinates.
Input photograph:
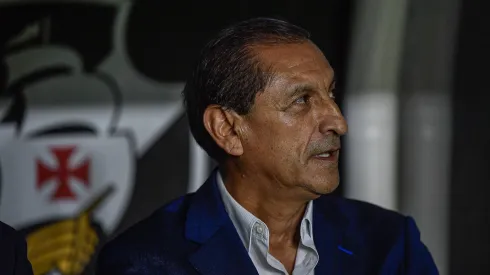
(93, 136)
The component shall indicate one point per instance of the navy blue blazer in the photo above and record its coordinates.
(13, 252)
(194, 235)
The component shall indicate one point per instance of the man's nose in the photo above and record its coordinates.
(331, 119)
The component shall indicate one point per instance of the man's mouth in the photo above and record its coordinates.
(328, 155)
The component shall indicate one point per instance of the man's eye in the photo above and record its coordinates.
(331, 94)
(302, 100)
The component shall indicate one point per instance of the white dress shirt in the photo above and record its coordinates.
(255, 237)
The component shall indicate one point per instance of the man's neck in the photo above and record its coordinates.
(260, 197)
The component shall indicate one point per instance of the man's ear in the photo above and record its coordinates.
(222, 124)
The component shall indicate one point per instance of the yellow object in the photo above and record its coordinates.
(66, 246)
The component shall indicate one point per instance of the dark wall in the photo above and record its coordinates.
(176, 31)
(470, 207)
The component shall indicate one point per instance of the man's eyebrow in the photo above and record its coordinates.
(302, 88)
(299, 89)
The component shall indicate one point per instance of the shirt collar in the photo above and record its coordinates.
(244, 220)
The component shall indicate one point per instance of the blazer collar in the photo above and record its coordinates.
(221, 250)
(206, 212)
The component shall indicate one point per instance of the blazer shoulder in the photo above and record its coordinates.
(162, 222)
(161, 231)
(159, 238)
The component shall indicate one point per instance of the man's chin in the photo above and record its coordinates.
(328, 188)
(323, 188)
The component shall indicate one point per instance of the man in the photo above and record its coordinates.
(261, 102)
(13, 252)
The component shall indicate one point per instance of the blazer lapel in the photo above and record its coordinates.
(208, 224)
(336, 251)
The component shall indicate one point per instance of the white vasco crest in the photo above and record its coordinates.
(52, 176)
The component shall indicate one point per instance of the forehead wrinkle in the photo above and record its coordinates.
(283, 72)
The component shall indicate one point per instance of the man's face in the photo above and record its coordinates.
(294, 127)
